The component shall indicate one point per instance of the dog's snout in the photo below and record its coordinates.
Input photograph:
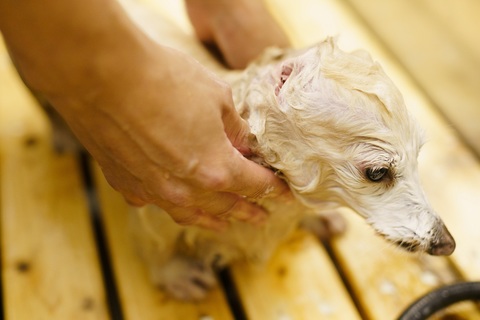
(444, 245)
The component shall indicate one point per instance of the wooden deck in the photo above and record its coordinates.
(65, 247)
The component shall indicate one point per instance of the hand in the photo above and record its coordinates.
(167, 133)
(241, 29)
(170, 135)
(162, 127)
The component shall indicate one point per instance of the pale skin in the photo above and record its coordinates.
(163, 128)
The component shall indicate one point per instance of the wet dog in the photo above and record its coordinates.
(336, 128)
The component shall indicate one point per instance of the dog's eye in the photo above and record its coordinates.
(376, 174)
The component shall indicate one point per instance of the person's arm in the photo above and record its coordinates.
(162, 127)
(241, 29)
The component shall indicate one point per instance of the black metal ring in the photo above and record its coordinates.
(441, 298)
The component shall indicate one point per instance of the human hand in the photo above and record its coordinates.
(162, 127)
(168, 134)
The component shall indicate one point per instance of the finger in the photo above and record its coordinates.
(212, 223)
(254, 181)
(224, 206)
(227, 205)
(196, 217)
(236, 128)
(249, 212)
(212, 209)
(250, 179)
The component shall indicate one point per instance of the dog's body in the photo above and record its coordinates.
(336, 128)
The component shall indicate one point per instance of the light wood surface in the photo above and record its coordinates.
(376, 271)
(299, 282)
(460, 20)
(20, 116)
(49, 261)
(430, 49)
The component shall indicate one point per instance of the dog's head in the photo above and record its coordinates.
(337, 128)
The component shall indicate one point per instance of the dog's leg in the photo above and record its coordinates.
(161, 243)
(185, 278)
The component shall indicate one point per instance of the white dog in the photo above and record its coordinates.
(335, 127)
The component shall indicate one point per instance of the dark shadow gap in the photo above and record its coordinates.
(344, 279)
(2, 312)
(113, 300)
(231, 293)
(2, 316)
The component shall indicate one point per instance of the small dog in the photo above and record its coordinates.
(336, 128)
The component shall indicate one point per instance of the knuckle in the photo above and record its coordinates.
(169, 192)
(178, 197)
(226, 213)
(215, 180)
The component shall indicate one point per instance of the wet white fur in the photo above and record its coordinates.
(336, 115)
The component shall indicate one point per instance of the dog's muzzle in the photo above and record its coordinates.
(443, 245)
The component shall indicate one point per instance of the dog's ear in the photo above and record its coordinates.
(286, 70)
(294, 62)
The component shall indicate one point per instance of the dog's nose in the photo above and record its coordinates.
(444, 245)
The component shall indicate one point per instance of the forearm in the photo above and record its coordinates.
(64, 47)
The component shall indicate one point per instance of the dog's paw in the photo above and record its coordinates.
(185, 278)
(325, 226)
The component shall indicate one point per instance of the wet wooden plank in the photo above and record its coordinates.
(386, 280)
(50, 267)
(49, 262)
(19, 113)
(299, 282)
(441, 64)
(450, 173)
(140, 299)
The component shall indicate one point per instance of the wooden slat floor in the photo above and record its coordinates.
(65, 247)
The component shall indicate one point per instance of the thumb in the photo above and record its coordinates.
(237, 130)
(251, 179)
(254, 181)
